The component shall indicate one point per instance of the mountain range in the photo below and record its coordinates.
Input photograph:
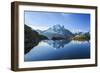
(56, 31)
(57, 34)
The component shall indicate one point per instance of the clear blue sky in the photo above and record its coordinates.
(72, 21)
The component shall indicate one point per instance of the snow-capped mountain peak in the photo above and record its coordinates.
(57, 31)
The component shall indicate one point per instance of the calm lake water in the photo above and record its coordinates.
(58, 50)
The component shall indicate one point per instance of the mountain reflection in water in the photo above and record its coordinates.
(58, 50)
(57, 43)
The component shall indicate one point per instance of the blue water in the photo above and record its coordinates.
(59, 50)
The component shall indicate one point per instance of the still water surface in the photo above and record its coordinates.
(58, 50)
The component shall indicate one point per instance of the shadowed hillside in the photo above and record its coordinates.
(32, 38)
